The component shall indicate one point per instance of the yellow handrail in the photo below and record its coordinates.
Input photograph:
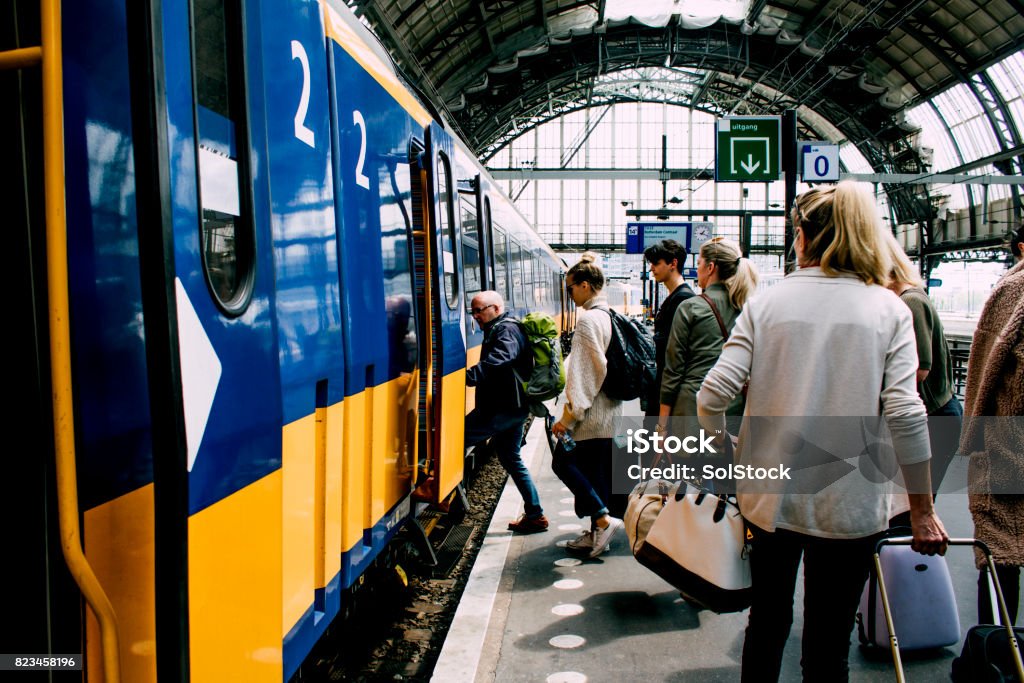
(60, 335)
(21, 58)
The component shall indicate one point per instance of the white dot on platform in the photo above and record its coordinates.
(568, 584)
(567, 501)
(567, 610)
(569, 527)
(568, 562)
(566, 677)
(566, 513)
(567, 642)
(562, 544)
(565, 489)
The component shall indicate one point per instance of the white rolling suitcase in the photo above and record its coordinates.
(921, 597)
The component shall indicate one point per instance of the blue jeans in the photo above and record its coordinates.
(506, 433)
(586, 471)
(944, 437)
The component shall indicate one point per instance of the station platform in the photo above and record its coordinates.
(531, 611)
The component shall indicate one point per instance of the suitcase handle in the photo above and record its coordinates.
(894, 644)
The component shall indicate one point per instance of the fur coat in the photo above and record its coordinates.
(995, 387)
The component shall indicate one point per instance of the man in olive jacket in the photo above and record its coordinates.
(501, 406)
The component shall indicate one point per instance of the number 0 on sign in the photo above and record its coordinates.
(821, 163)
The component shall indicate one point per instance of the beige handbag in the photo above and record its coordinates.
(645, 502)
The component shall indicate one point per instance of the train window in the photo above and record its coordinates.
(517, 274)
(500, 264)
(227, 238)
(470, 248)
(446, 228)
(485, 236)
(528, 277)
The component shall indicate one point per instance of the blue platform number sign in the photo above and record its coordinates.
(820, 162)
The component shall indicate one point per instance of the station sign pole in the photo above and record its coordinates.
(789, 162)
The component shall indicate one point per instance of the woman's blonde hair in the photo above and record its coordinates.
(737, 273)
(903, 270)
(587, 270)
(842, 232)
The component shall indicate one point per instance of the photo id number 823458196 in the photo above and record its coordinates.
(18, 662)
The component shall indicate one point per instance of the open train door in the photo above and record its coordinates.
(439, 289)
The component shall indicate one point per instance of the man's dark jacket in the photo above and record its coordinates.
(505, 349)
(662, 330)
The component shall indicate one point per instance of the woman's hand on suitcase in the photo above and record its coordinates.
(930, 537)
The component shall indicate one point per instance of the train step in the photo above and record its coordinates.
(452, 549)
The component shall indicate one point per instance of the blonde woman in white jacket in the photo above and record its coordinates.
(828, 341)
(588, 413)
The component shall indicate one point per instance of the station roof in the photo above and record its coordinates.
(498, 67)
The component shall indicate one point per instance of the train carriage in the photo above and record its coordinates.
(259, 331)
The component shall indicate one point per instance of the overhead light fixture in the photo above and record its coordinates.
(668, 61)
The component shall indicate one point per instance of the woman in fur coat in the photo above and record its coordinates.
(995, 387)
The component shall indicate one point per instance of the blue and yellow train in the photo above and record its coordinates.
(243, 253)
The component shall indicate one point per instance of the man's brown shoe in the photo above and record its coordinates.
(526, 525)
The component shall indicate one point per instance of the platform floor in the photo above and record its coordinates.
(533, 612)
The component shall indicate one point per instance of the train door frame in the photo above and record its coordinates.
(447, 383)
(484, 220)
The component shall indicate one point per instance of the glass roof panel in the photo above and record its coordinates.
(935, 136)
(853, 160)
(1009, 79)
(966, 119)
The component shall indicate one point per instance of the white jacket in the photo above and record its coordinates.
(588, 413)
(817, 346)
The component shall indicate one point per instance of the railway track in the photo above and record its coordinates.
(401, 614)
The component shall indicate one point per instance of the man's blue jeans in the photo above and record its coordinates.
(506, 433)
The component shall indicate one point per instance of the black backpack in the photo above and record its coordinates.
(632, 367)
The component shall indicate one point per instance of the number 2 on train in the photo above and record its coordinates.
(301, 131)
(362, 180)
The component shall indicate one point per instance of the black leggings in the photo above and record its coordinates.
(835, 571)
(1009, 581)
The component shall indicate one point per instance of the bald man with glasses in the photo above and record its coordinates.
(501, 406)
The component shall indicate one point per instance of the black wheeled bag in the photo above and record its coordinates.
(987, 657)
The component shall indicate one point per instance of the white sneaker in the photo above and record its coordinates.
(603, 537)
(584, 541)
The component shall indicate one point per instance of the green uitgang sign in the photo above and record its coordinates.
(747, 149)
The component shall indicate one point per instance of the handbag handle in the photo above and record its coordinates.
(718, 316)
(725, 332)
(721, 505)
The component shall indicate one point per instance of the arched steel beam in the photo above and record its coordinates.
(996, 111)
(725, 62)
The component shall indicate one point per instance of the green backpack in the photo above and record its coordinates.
(547, 379)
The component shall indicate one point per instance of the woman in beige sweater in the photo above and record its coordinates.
(588, 413)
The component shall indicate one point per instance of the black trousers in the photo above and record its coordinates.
(835, 571)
